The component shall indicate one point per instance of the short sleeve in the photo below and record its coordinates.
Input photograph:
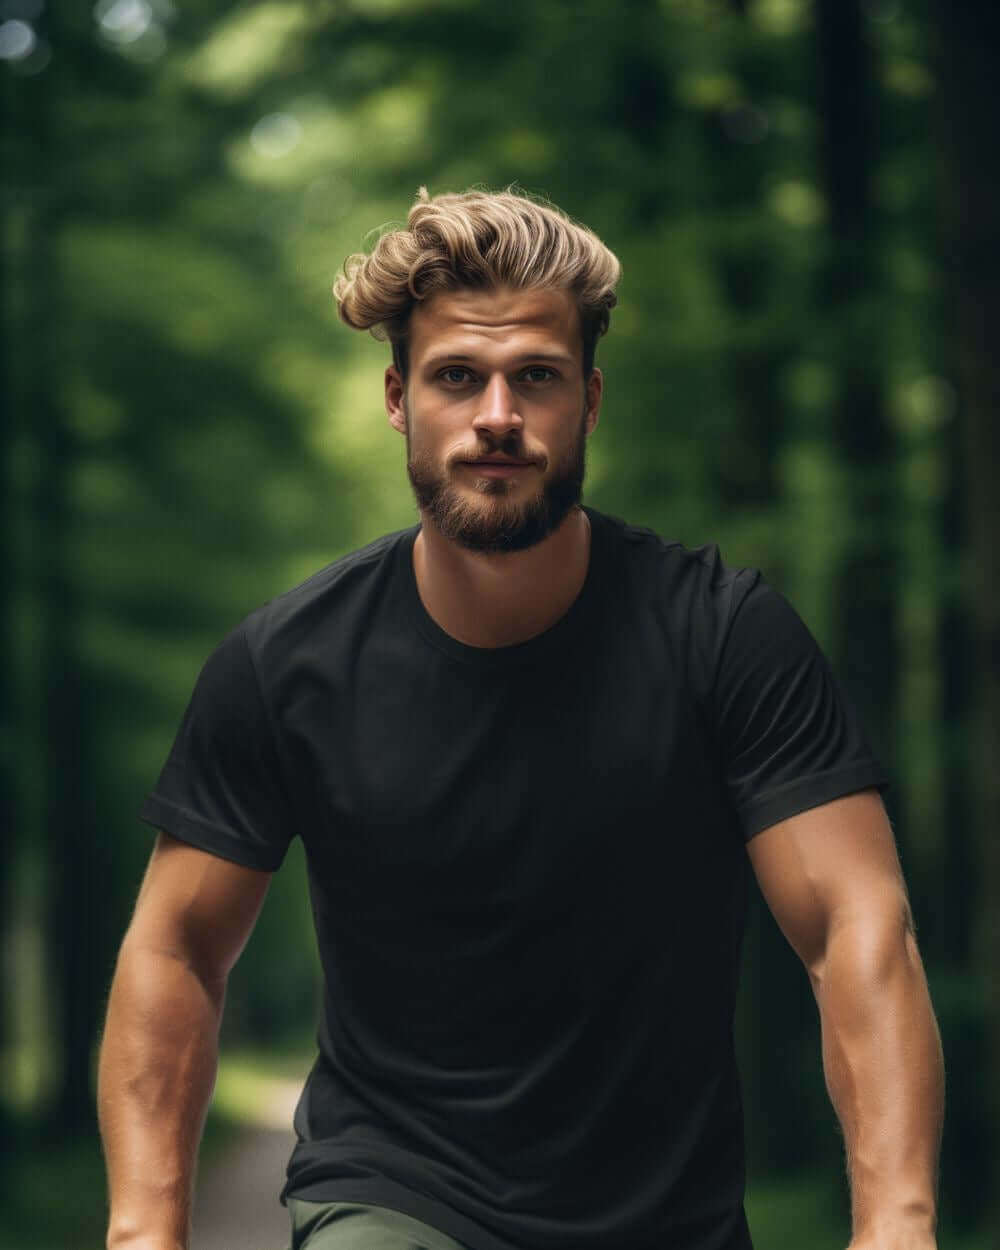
(788, 735)
(221, 787)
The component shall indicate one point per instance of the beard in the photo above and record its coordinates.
(494, 520)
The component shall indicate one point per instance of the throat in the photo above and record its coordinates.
(508, 600)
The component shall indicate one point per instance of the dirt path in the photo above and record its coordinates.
(236, 1203)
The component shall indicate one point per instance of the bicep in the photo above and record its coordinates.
(196, 907)
(830, 866)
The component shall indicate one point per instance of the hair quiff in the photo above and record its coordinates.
(478, 239)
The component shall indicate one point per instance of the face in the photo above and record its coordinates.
(495, 374)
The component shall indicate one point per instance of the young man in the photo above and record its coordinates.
(531, 751)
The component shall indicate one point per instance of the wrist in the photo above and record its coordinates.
(121, 1239)
(900, 1238)
(912, 1227)
(145, 1243)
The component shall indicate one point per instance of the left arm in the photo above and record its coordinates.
(832, 879)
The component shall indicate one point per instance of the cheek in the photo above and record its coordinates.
(433, 441)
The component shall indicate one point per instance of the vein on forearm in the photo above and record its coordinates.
(883, 1064)
(158, 1067)
(173, 1014)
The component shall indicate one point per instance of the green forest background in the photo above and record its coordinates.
(803, 367)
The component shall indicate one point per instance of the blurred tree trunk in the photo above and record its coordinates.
(783, 1120)
(865, 582)
(968, 45)
(9, 841)
(959, 887)
(68, 766)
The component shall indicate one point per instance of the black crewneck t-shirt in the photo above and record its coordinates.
(528, 875)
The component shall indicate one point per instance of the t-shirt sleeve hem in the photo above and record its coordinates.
(194, 829)
(798, 796)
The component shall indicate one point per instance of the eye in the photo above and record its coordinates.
(455, 375)
(538, 373)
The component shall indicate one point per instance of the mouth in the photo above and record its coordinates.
(508, 462)
(498, 468)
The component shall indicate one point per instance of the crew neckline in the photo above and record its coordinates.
(556, 636)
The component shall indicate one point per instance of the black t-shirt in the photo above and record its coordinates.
(528, 876)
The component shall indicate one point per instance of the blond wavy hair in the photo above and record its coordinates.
(478, 239)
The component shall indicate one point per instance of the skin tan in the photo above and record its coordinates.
(830, 875)
(158, 1059)
(494, 337)
(832, 879)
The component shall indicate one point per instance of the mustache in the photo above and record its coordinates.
(488, 453)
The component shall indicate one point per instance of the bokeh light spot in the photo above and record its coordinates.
(924, 404)
(780, 17)
(798, 203)
(123, 21)
(17, 40)
(908, 78)
(709, 90)
(275, 135)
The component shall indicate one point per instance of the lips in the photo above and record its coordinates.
(511, 464)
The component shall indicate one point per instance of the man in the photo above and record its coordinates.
(531, 750)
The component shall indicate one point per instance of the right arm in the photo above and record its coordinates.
(159, 1054)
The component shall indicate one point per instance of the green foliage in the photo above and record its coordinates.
(192, 430)
(53, 1193)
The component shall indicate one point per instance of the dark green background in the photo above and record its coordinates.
(802, 368)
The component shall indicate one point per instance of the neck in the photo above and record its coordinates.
(498, 600)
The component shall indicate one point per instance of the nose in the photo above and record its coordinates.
(498, 409)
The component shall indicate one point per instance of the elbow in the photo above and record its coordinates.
(871, 940)
(160, 961)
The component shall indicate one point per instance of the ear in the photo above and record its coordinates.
(395, 399)
(595, 392)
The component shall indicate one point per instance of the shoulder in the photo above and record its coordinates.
(695, 581)
(691, 593)
(345, 586)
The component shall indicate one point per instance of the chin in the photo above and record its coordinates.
(493, 517)
(496, 524)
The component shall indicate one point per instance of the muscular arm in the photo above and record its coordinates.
(160, 1047)
(831, 877)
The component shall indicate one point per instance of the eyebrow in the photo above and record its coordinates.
(447, 358)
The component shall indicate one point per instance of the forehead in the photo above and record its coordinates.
(474, 320)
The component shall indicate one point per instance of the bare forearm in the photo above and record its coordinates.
(157, 1068)
(885, 1074)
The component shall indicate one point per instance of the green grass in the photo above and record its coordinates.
(54, 1200)
(797, 1212)
(803, 1212)
(52, 1197)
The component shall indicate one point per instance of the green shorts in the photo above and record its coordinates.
(360, 1226)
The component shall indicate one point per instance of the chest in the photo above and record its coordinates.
(498, 787)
